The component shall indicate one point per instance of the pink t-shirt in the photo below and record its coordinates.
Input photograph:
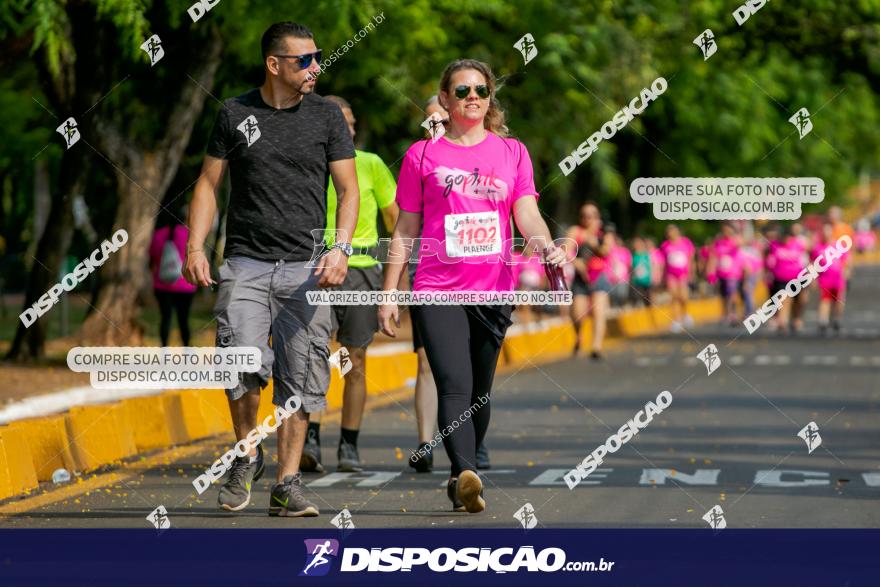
(790, 258)
(833, 276)
(466, 206)
(160, 237)
(865, 240)
(678, 254)
(751, 259)
(729, 260)
(620, 261)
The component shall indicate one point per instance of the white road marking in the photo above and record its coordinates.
(773, 478)
(699, 477)
(367, 478)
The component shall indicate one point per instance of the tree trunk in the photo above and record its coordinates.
(143, 178)
(29, 343)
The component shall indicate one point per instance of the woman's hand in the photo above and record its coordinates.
(554, 255)
(387, 314)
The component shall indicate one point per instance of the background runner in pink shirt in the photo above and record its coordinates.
(832, 282)
(678, 254)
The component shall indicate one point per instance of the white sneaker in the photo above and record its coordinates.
(688, 321)
(676, 327)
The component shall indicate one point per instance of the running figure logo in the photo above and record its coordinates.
(710, 358)
(810, 434)
(526, 516)
(159, 518)
(341, 359)
(526, 45)
(715, 518)
(435, 127)
(343, 520)
(319, 556)
(706, 42)
(801, 121)
(69, 131)
(249, 129)
(153, 48)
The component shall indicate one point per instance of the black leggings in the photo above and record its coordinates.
(180, 303)
(463, 354)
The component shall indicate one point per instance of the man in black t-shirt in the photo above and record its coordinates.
(281, 143)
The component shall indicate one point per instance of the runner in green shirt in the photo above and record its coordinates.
(356, 325)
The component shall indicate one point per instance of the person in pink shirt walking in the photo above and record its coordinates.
(832, 282)
(726, 263)
(619, 263)
(678, 254)
(174, 293)
(466, 186)
(789, 256)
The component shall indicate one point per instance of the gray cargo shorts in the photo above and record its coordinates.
(259, 302)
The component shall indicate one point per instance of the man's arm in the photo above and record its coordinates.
(196, 269)
(334, 265)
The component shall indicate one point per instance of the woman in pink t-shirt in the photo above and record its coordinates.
(466, 186)
(678, 254)
(172, 291)
(726, 263)
(790, 258)
(832, 282)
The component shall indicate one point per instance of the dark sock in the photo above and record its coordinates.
(348, 436)
(314, 431)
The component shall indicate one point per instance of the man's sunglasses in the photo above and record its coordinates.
(462, 92)
(304, 60)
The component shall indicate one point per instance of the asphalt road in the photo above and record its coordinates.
(728, 439)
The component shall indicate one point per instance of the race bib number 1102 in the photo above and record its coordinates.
(472, 235)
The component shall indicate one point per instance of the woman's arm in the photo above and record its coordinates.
(405, 231)
(532, 226)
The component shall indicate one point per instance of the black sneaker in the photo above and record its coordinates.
(422, 460)
(310, 460)
(235, 495)
(348, 459)
(457, 506)
(483, 457)
(287, 499)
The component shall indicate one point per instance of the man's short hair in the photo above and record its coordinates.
(273, 38)
(339, 101)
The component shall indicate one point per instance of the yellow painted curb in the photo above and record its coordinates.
(100, 434)
(48, 443)
(205, 412)
(17, 474)
(157, 421)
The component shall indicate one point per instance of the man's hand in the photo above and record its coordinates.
(387, 314)
(332, 268)
(197, 270)
(555, 255)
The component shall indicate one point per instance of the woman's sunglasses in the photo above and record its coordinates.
(304, 60)
(462, 92)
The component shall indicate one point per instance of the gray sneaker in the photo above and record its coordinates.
(235, 495)
(348, 458)
(310, 461)
(287, 499)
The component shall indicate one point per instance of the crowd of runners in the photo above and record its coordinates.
(473, 178)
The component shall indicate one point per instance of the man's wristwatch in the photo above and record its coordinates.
(344, 247)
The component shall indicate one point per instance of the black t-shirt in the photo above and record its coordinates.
(279, 182)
